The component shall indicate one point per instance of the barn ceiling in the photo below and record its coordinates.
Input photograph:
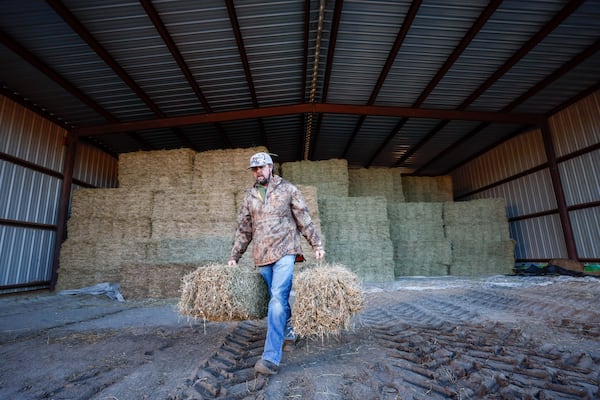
(421, 85)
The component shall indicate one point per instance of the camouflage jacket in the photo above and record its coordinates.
(274, 226)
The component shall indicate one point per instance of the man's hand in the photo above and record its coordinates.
(319, 254)
(232, 263)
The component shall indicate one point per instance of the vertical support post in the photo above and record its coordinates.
(63, 206)
(558, 192)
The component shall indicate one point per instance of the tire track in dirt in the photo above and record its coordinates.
(456, 344)
(229, 372)
(449, 351)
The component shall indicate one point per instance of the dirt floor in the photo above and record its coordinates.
(418, 338)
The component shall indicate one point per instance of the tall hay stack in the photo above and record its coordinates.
(103, 225)
(429, 189)
(420, 247)
(357, 230)
(478, 231)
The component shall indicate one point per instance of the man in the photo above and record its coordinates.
(272, 216)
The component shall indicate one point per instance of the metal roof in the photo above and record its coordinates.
(420, 85)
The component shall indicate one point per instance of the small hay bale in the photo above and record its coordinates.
(218, 292)
(327, 297)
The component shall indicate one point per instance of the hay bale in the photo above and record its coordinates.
(84, 263)
(427, 188)
(230, 166)
(193, 204)
(480, 211)
(329, 176)
(422, 258)
(157, 169)
(141, 280)
(218, 292)
(416, 221)
(358, 235)
(91, 229)
(114, 203)
(482, 258)
(327, 297)
(371, 182)
(200, 250)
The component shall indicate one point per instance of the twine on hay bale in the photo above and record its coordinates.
(327, 297)
(218, 292)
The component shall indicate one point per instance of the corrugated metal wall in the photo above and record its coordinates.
(518, 172)
(30, 192)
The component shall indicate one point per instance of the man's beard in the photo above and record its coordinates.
(264, 180)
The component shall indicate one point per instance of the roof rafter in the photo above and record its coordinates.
(503, 69)
(235, 25)
(406, 24)
(458, 50)
(91, 41)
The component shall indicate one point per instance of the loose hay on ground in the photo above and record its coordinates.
(327, 297)
(218, 292)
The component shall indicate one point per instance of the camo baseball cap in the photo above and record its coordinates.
(260, 159)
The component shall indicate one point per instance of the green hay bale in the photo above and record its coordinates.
(427, 188)
(422, 258)
(480, 258)
(481, 211)
(327, 297)
(218, 292)
(329, 176)
(416, 221)
(358, 235)
(371, 182)
(91, 229)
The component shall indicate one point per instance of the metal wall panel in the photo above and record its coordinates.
(586, 229)
(31, 196)
(527, 195)
(28, 195)
(25, 255)
(518, 154)
(28, 136)
(581, 178)
(538, 238)
(95, 167)
(577, 127)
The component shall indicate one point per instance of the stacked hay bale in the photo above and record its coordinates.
(420, 247)
(158, 169)
(103, 228)
(386, 182)
(478, 232)
(329, 176)
(427, 188)
(224, 170)
(357, 230)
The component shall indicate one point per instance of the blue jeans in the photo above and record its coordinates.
(278, 277)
